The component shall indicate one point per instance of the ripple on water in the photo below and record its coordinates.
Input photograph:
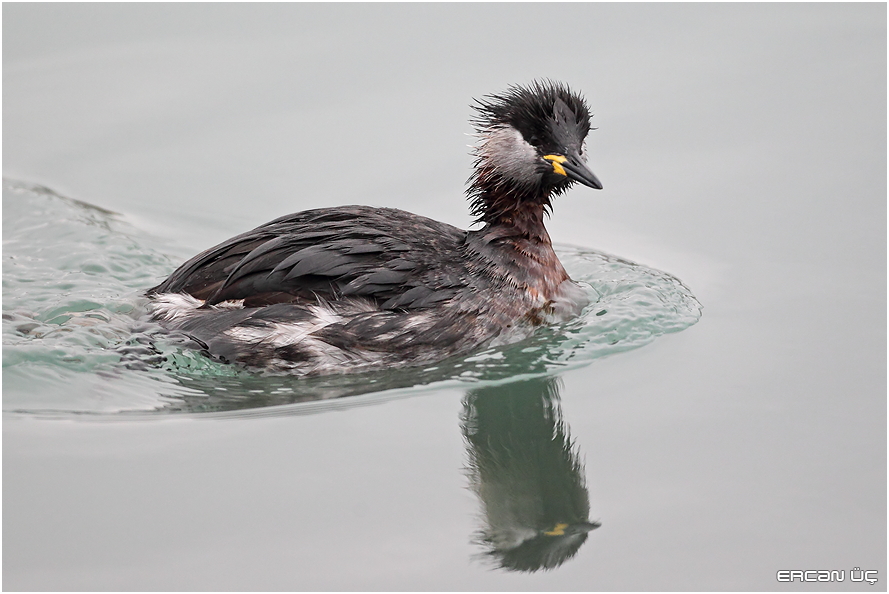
(73, 342)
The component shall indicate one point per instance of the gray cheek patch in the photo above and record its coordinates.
(510, 155)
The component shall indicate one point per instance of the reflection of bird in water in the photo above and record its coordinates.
(528, 475)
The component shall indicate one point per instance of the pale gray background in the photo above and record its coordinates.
(742, 148)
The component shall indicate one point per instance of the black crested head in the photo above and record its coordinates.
(532, 110)
(532, 148)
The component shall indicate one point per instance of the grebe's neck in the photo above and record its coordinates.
(523, 221)
(507, 206)
(514, 236)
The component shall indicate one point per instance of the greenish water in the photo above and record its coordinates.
(76, 339)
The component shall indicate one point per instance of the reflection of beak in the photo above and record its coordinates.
(573, 167)
(577, 528)
(586, 526)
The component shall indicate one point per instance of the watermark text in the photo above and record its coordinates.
(856, 574)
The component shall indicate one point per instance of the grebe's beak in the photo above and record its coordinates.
(574, 167)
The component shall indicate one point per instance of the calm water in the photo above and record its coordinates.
(753, 441)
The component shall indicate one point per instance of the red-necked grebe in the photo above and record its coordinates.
(355, 288)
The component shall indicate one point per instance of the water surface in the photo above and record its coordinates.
(75, 315)
(743, 153)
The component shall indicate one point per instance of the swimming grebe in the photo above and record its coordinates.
(355, 288)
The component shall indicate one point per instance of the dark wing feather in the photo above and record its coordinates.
(398, 259)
